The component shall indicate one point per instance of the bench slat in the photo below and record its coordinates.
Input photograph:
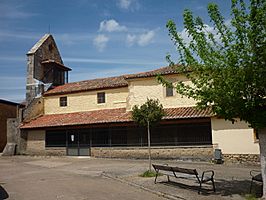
(175, 169)
(185, 171)
(162, 167)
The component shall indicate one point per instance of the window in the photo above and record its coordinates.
(100, 138)
(101, 97)
(63, 101)
(169, 92)
(55, 139)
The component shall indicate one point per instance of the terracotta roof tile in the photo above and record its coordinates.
(108, 116)
(80, 118)
(162, 71)
(106, 83)
(100, 83)
(186, 112)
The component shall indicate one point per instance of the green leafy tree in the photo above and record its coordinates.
(227, 65)
(147, 115)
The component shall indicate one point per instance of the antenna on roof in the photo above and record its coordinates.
(49, 29)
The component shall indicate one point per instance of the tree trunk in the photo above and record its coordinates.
(149, 145)
(262, 142)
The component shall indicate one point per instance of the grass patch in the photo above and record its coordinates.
(149, 173)
(250, 197)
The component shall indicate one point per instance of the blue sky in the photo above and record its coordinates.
(96, 38)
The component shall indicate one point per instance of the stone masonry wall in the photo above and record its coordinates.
(34, 110)
(55, 151)
(242, 158)
(47, 49)
(36, 142)
(182, 153)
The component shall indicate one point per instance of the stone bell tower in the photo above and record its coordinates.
(45, 68)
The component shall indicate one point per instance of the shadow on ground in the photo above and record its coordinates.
(3, 193)
(223, 187)
(241, 187)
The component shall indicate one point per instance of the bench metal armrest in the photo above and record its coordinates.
(211, 172)
(254, 173)
(208, 178)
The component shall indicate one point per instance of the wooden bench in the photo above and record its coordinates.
(174, 171)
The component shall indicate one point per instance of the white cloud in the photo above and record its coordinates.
(184, 36)
(100, 42)
(131, 39)
(124, 4)
(146, 38)
(143, 39)
(207, 29)
(111, 26)
(131, 5)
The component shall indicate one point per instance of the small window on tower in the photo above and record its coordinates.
(63, 101)
(101, 97)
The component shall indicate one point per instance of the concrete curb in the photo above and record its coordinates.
(161, 194)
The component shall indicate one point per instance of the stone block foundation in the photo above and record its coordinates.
(203, 153)
(242, 158)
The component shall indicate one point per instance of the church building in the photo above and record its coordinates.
(93, 117)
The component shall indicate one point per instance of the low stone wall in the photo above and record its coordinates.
(204, 153)
(48, 151)
(55, 151)
(35, 142)
(242, 158)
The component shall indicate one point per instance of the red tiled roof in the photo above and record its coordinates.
(106, 83)
(107, 116)
(100, 83)
(186, 112)
(162, 71)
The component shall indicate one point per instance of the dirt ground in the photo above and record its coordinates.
(80, 178)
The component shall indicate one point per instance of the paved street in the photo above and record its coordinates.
(72, 178)
(27, 178)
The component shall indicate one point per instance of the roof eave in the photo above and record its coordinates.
(149, 76)
(84, 90)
